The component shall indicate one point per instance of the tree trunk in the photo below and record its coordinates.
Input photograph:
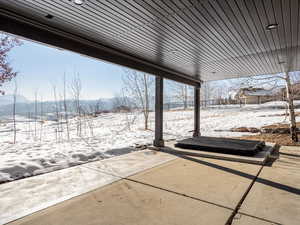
(289, 96)
(65, 109)
(14, 113)
(35, 113)
(146, 122)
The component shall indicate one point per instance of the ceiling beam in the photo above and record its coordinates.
(34, 30)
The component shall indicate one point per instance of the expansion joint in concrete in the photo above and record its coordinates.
(238, 206)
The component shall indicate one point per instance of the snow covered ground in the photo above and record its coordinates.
(44, 146)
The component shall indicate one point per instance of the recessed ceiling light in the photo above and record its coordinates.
(272, 26)
(49, 16)
(78, 2)
(174, 51)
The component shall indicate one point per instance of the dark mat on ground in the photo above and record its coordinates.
(222, 145)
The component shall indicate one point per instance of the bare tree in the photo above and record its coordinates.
(41, 118)
(35, 114)
(138, 86)
(118, 103)
(290, 100)
(181, 92)
(63, 116)
(14, 111)
(29, 125)
(209, 92)
(76, 93)
(66, 107)
(7, 43)
(56, 113)
(98, 107)
(88, 115)
(128, 108)
(94, 110)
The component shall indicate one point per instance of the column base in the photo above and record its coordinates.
(196, 134)
(159, 143)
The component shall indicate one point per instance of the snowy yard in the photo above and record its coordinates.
(46, 149)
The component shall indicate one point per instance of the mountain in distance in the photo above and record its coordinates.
(24, 106)
(9, 99)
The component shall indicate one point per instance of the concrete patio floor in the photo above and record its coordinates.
(26, 196)
(186, 190)
(275, 196)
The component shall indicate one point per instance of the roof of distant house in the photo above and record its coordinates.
(257, 92)
(251, 91)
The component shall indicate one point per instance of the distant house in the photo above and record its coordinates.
(251, 95)
(295, 90)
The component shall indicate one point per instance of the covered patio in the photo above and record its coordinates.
(189, 42)
(185, 41)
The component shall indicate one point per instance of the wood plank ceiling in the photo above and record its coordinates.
(210, 39)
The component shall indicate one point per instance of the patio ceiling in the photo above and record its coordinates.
(183, 40)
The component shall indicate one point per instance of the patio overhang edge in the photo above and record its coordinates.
(34, 30)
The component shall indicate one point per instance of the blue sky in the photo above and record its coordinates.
(40, 67)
